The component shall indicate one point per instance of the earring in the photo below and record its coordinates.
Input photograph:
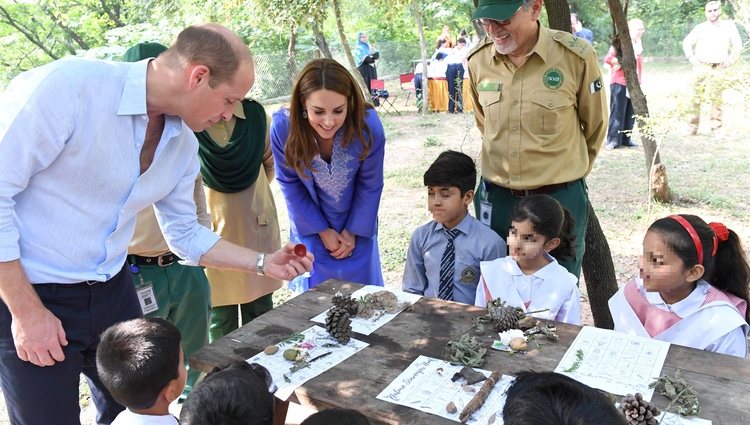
(304, 114)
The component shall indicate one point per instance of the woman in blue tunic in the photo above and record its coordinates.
(329, 146)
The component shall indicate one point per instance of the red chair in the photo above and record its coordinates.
(408, 80)
(386, 99)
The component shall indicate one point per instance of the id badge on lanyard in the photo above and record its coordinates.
(145, 291)
(485, 207)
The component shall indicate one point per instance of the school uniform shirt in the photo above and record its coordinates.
(126, 417)
(476, 242)
(708, 319)
(551, 287)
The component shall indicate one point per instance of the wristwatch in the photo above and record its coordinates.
(259, 263)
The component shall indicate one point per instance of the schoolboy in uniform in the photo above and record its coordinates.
(444, 254)
(141, 363)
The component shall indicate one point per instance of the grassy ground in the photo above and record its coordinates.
(709, 177)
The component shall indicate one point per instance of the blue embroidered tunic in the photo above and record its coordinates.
(342, 194)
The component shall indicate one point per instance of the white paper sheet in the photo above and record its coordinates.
(615, 362)
(367, 326)
(426, 385)
(313, 341)
(675, 419)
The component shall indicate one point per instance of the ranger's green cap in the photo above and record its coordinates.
(142, 51)
(498, 10)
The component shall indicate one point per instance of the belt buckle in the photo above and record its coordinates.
(160, 260)
(520, 193)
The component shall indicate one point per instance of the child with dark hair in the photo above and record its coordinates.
(140, 361)
(239, 394)
(551, 398)
(337, 417)
(692, 289)
(444, 254)
(541, 233)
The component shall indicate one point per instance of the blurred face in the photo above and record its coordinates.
(517, 34)
(364, 38)
(326, 112)
(713, 10)
(636, 30)
(447, 205)
(206, 105)
(663, 271)
(525, 245)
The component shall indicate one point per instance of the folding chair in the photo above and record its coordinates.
(407, 79)
(377, 88)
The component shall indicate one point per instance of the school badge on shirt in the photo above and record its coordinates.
(553, 78)
(469, 275)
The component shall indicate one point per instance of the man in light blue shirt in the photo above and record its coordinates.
(84, 146)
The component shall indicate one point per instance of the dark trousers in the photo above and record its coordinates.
(49, 395)
(621, 116)
(455, 76)
(418, 86)
(573, 197)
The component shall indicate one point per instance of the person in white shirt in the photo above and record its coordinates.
(541, 231)
(710, 47)
(692, 289)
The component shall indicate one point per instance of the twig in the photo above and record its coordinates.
(671, 403)
(479, 398)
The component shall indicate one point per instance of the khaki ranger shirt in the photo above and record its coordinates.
(541, 123)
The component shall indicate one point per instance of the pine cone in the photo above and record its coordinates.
(638, 411)
(338, 324)
(346, 302)
(504, 317)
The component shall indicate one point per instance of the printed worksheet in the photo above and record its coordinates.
(614, 362)
(426, 385)
(675, 419)
(367, 326)
(319, 351)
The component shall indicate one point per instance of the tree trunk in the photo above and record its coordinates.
(599, 272)
(658, 187)
(423, 56)
(291, 51)
(558, 14)
(348, 51)
(320, 40)
(113, 11)
(598, 268)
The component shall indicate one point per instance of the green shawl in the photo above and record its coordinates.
(235, 167)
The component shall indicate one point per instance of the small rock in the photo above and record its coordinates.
(518, 344)
(451, 407)
(271, 350)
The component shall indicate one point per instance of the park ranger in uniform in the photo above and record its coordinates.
(542, 113)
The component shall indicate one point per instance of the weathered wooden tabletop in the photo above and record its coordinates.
(722, 382)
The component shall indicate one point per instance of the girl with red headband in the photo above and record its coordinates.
(692, 289)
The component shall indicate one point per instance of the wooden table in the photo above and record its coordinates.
(722, 382)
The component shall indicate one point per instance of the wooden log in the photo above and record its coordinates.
(478, 400)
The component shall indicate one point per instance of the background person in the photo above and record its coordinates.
(710, 47)
(364, 57)
(579, 30)
(621, 114)
(329, 147)
(73, 179)
(541, 112)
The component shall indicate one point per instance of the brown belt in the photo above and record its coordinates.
(521, 193)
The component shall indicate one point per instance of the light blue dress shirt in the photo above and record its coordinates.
(71, 134)
(476, 243)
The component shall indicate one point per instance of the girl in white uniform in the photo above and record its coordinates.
(530, 277)
(692, 290)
